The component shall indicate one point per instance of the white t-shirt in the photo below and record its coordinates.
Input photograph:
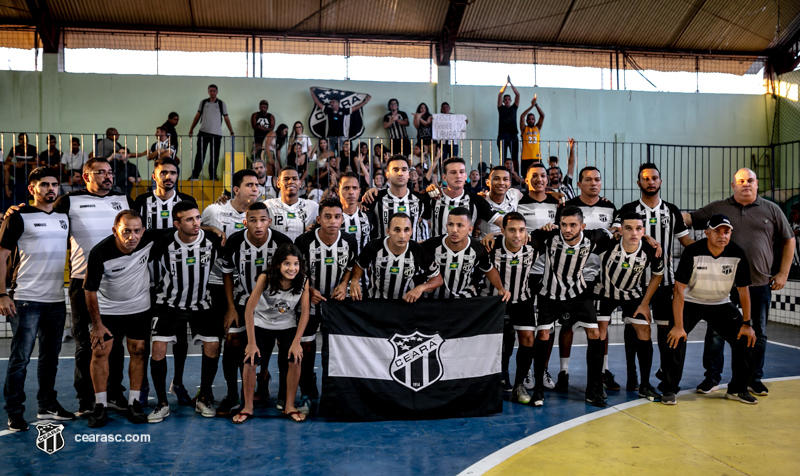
(74, 161)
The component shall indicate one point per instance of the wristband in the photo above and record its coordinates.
(744, 323)
(2, 295)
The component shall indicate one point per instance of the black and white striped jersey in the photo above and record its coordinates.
(121, 280)
(708, 278)
(240, 257)
(326, 264)
(390, 275)
(38, 243)
(361, 225)
(267, 190)
(595, 217)
(229, 221)
(91, 217)
(386, 205)
(665, 224)
(457, 268)
(564, 264)
(509, 204)
(514, 269)
(440, 210)
(292, 220)
(566, 187)
(185, 270)
(537, 214)
(157, 213)
(622, 273)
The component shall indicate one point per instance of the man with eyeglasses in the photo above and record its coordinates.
(758, 224)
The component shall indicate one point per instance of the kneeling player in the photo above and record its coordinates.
(620, 285)
(270, 314)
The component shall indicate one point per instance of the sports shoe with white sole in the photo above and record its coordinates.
(520, 395)
(528, 382)
(744, 397)
(548, 381)
(160, 412)
(707, 386)
(205, 407)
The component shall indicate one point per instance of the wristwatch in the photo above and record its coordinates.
(748, 323)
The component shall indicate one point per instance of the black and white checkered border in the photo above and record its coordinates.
(781, 302)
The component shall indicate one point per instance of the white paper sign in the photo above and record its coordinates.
(449, 126)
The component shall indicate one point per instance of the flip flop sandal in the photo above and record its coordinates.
(247, 416)
(290, 416)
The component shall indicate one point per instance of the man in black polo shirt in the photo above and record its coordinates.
(709, 268)
(336, 117)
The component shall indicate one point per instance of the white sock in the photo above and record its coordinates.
(565, 364)
(133, 396)
(101, 398)
(605, 362)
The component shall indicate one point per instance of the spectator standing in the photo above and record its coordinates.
(274, 143)
(336, 117)
(262, 123)
(423, 121)
(396, 122)
(163, 148)
(507, 127)
(449, 147)
(212, 111)
(531, 139)
(169, 127)
(107, 146)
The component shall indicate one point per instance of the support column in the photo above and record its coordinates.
(52, 66)
(444, 90)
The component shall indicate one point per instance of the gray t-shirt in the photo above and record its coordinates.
(105, 148)
(755, 228)
(211, 116)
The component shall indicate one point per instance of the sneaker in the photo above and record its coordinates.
(758, 388)
(633, 382)
(305, 405)
(669, 398)
(563, 382)
(520, 395)
(229, 406)
(650, 393)
(744, 397)
(159, 413)
(609, 382)
(204, 406)
(505, 383)
(135, 413)
(279, 404)
(180, 392)
(143, 394)
(195, 179)
(595, 397)
(548, 381)
(528, 382)
(99, 416)
(538, 396)
(56, 412)
(16, 422)
(84, 409)
(118, 403)
(707, 386)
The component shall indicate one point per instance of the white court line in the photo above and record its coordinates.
(494, 459)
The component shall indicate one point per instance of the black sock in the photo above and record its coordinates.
(631, 340)
(208, 370)
(508, 345)
(594, 361)
(308, 381)
(232, 356)
(179, 351)
(541, 349)
(645, 350)
(158, 370)
(524, 361)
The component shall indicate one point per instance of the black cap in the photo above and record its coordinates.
(719, 220)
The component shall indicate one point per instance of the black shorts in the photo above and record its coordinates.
(607, 306)
(578, 312)
(312, 327)
(535, 285)
(661, 306)
(265, 336)
(521, 315)
(169, 323)
(219, 307)
(132, 326)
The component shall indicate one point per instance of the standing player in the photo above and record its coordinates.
(597, 213)
(453, 196)
(393, 263)
(228, 219)
(329, 254)
(513, 260)
(531, 139)
(117, 288)
(622, 271)
(355, 221)
(156, 209)
(706, 273)
(565, 291)
(290, 214)
(398, 199)
(458, 255)
(663, 222)
(37, 237)
(182, 297)
(501, 198)
(247, 253)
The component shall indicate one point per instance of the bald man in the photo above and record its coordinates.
(758, 223)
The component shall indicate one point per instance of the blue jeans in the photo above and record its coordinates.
(714, 359)
(47, 321)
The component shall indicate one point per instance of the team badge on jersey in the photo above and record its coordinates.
(50, 438)
(727, 269)
(417, 362)
(116, 206)
(64, 225)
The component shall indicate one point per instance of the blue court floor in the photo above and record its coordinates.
(186, 443)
